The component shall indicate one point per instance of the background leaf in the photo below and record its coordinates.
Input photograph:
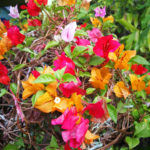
(112, 112)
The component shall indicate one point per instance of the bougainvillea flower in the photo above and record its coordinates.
(94, 34)
(15, 36)
(104, 45)
(77, 101)
(137, 83)
(7, 24)
(32, 8)
(76, 136)
(67, 147)
(42, 2)
(122, 62)
(70, 88)
(69, 31)
(5, 45)
(89, 137)
(14, 13)
(95, 22)
(75, 132)
(61, 104)
(82, 26)
(64, 121)
(100, 77)
(66, 2)
(114, 56)
(109, 18)
(138, 69)
(63, 61)
(4, 79)
(23, 7)
(100, 12)
(31, 88)
(46, 101)
(35, 73)
(2, 28)
(95, 110)
(34, 22)
(82, 42)
(121, 90)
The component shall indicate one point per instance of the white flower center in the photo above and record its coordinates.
(57, 100)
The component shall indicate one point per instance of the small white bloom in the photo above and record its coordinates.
(57, 100)
(14, 13)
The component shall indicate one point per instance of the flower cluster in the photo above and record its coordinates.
(90, 75)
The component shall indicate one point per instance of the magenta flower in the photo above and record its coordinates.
(100, 12)
(15, 36)
(74, 133)
(68, 119)
(95, 110)
(82, 42)
(104, 45)
(94, 34)
(69, 88)
(75, 137)
(14, 12)
(63, 61)
(69, 31)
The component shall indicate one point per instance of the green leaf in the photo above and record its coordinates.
(124, 148)
(68, 78)
(36, 96)
(141, 94)
(127, 25)
(139, 60)
(19, 66)
(29, 51)
(19, 142)
(120, 107)
(53, 142)
(96, 60)
(13, 87)
(45, 78)
(51, 44)
(78, 50)
(80, 33)
(59, 73)
(11, 147)
(132, 142)
(142, 130)
(33, 100)
(82, 60)
(84, 74)
(112, 112)
(67, 51)
(3, 92)
(77, 63)
(39, 69)
(90, 50)
(135, 114)
(90, 90)
(29, 40)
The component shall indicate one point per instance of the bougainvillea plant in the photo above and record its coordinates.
(70, 80)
